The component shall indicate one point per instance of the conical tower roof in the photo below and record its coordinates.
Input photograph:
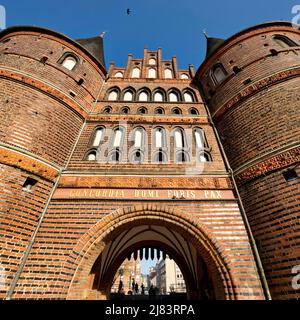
(212, 45)
(95, 47)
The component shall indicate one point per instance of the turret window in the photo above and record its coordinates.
(69, 62)
(284, 41)
(218, 73)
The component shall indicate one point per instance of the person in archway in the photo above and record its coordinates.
(136, 288)
(120, 286)
(132, 285)
(143, 289)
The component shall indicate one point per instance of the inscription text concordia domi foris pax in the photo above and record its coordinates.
(144, 194)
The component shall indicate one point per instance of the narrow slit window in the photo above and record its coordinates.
(98, 137)
(117, 138)
(138, 138)
(200, 139)
(179, 139)
(158, 138)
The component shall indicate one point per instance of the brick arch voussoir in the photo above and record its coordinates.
(87, 248)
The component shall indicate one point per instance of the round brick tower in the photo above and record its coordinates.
(251, 85)
(48, 85)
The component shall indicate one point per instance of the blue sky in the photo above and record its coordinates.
(176, 26)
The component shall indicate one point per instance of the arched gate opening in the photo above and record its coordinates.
(198, 257)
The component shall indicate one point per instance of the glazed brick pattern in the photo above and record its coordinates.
(19, 214)
(24, 53)
(273, 207)
(50, 267)
(37, 123)
(263, 123)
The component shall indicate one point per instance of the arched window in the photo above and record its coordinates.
(159, 138)
(176, 111)
(193, 111)
(184, 76)
(160, 157)
(69, 62)
(181, 156)
(143, 96)
(91, 156)
(97, 137)
(115, 156)
(107, 110)
(168, 74)
(119, 74)
(200, 139)
(142, 110)
(179, 139)
(188, 97)
(284, 41)
(158, 97)
(137, 156)
(173, 97)
(159, 111)
(218, 73)
(138, 138)
(152, 73)
(136, 73)
(118, 135)
(204, 157)
(128, 96)
(152, 61)
(113, 95)
(125, 110)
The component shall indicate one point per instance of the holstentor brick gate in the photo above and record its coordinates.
(96, 164)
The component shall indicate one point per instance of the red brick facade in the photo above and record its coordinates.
(256, 111)
(66, 237)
